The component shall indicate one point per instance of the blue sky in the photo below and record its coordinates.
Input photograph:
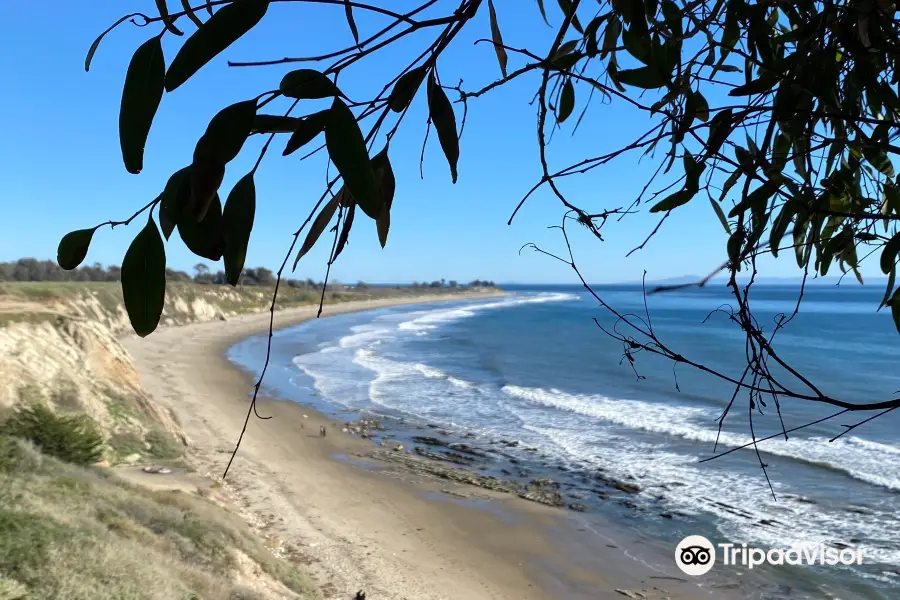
(62, 167)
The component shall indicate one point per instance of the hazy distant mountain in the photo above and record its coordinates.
(721, 279)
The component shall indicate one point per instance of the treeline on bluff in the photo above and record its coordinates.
(31, 269)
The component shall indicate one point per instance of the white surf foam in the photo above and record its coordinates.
(434, 318)
(871, 462)
(739, 501)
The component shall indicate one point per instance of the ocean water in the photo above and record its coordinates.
(534, 368)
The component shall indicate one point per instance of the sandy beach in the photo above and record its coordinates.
(354, 528)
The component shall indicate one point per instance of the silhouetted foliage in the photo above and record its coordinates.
(783, 115)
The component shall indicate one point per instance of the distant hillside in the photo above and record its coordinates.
(786, 281)
(32, 270)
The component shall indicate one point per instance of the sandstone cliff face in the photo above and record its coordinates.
(60, 343)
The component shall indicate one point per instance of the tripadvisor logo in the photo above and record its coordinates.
(695, 555)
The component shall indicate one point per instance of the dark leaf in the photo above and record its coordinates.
(719, 130)
(141, 96)
(144, 280)
(590, 35)
(345, 198)
(226, 133)
(638, 45)
(540, 4)
(566, 6)
(73, 247)
(624, 8)
(564, 62)
(383, 224)
(729, 183)
(638, 22)
(754, 198)
(895, 308)
(166, 19)
(735, 242)
(497, 39)
(745, 159)
(205, 181)
(318, 226)
(566, 48)
(205, 238)
(345, 232)
(237, 223)
(96, 43)
(892, 199)
(721, 215)
(613, 71)
(889, 254)
(174, 200)
(566, 101)
(701, 106)
(758, 86)
(384, 177)
(672, 16)
(779, 227)
(878, 158)
(611, 35)
(224, 27)
(306, 130)
(731, 32)
(405, 89)
(348, 11)
(889, 288)
(347, 150)
(673, 201)
(186, 5)
(274, 124)
(643, 77)
(781, 150)
(692, 170)
(801, 146)
(687, 119)
(441, 112)
(804, 233)
(308, 84)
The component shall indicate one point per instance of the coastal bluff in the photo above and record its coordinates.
(60, 342)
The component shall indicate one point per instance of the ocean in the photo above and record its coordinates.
(534, 371)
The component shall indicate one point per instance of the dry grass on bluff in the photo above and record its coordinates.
(84, 534)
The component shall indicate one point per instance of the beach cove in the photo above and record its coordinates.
(355, 528)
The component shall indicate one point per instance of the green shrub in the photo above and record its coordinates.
(10, 453)
(162, 445)
(126, 442)
(71, 438)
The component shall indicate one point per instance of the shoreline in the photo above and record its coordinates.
(360, 528)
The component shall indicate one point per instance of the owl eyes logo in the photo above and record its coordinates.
(695, 555)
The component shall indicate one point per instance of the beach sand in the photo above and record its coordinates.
(354, 528)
